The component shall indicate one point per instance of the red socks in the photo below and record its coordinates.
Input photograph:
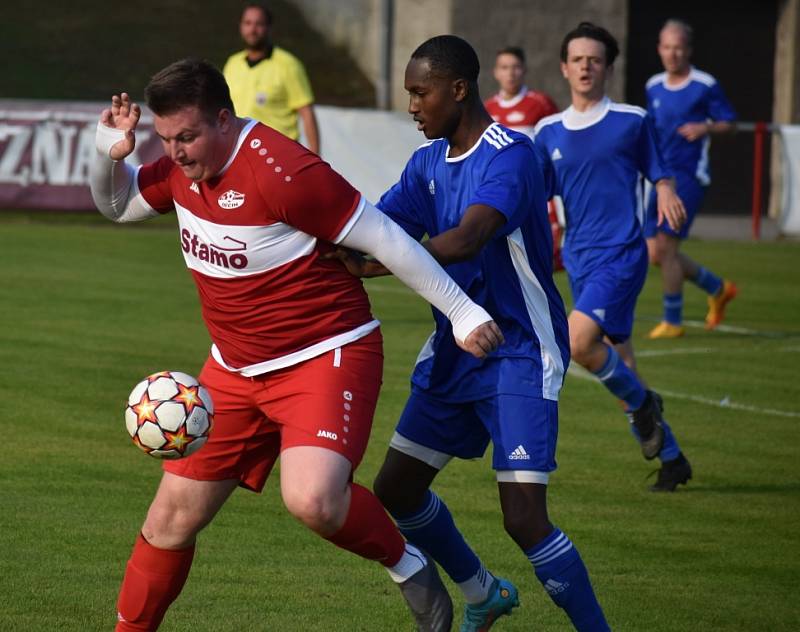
(153, 580)
(154, 577)
(368, 531)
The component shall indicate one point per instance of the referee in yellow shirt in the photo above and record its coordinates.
(268, 83)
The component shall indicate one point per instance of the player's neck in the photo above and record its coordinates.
(257, 54)
(585, 102)
(228, 145)
(507, 95)
(679, 76)
(468, 133)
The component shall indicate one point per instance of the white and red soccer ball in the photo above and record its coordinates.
(169, 415)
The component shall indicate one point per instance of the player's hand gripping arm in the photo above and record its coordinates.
(112, 181)
(375, 233)
(670, 206)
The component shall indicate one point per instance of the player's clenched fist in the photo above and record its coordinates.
(482, 340)
(123, 115)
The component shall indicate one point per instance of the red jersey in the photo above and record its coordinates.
(253, 237)
(523, 111)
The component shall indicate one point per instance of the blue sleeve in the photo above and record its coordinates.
(649, 98)
(510, 184)
(650, 161)
(403, 201)
(719, 108)
(546, 166)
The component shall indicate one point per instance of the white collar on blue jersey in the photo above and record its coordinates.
(675, 87)
(496, 137)
(574, 120)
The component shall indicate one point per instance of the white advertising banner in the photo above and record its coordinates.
(790, 213)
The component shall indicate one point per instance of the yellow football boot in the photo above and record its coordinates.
(717, 303)
(666, 330)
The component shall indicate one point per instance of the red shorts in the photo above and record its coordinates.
(328, 401)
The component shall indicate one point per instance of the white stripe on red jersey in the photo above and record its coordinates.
(522, 112)
(253, 237)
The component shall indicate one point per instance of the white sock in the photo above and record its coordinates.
(412, 562)
(476, 588)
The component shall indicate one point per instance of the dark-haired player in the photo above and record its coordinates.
(519, 108)
(475, 189)
(515, 105)
(267, 82)
(593, 153)
(296, 361)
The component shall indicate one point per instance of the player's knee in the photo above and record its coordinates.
(394, 497)
(654, 255)
(172, 527)
(526, 527)
(320, 512)
(579, 349)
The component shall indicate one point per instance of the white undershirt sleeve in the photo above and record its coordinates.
(375, 233)
(113, 182)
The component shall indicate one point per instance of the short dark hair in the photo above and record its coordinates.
(450, 56)
(186, 83)
(512, 50)
(261, 7)
(592, 31)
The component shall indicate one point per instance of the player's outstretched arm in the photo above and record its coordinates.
(670, 206)
(376, 234)
(112, 181)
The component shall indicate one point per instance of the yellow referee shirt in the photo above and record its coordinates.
(271, 91)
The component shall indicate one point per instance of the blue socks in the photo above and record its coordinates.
(708, 281)
(621, 381)
(670, 450)
(431, 528)
(560, 569)
(673, 308)
(556, 562)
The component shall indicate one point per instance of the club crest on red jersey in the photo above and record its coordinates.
(231, 199)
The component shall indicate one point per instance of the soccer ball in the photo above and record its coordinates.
(169, 415)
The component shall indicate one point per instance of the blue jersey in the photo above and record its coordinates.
(593, 160)
(511, 277)
(696, 100)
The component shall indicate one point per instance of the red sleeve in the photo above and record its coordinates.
(154, 184)
(548, 106)
(303, 191)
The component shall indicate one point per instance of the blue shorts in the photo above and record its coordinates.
(691, 193)
(607, 294)
(523, 431)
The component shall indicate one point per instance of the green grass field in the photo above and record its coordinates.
(88, 308)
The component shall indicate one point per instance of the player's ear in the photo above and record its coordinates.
(460, 89)
(563, 66)
(224, 119)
